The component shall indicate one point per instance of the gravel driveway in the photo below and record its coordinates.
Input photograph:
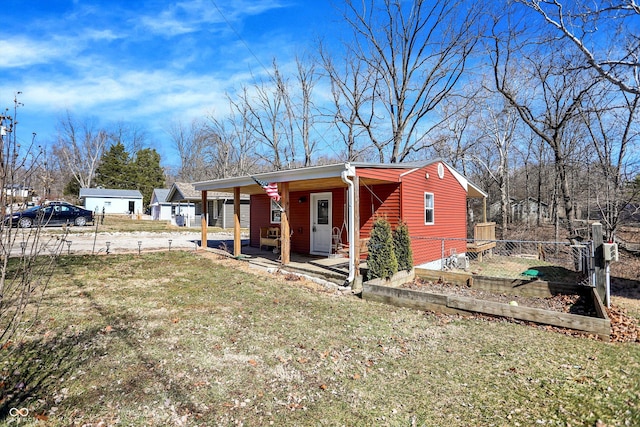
(87, 242)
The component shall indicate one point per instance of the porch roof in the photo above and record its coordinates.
(328, 176)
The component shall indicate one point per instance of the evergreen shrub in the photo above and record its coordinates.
(381, 259)
(402, 247)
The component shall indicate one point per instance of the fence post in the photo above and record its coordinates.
(442, 254)
(598, 261)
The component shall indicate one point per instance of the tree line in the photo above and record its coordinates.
(531, 99)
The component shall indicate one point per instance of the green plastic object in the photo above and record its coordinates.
(531, 273)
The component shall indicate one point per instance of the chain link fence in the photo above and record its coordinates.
(511, 259)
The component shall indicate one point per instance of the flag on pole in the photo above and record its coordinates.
(270, 189)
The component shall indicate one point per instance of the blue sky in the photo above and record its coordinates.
(149, 63)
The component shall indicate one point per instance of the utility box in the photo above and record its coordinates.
(610, 251)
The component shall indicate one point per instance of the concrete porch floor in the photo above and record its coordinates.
(331, 269)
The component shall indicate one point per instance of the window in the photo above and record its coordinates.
(214, 209)
(275, 212)
(428, 209)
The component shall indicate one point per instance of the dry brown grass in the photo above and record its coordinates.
(176, 338)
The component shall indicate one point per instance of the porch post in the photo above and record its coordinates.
(203, 221)
(237, 238)
(484, 209)
(357, 282)
(285, 235)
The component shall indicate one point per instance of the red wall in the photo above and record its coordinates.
(450, 212)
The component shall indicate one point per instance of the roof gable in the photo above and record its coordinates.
(159, 195)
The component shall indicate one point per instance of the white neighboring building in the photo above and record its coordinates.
(112, 201)
(160, 208)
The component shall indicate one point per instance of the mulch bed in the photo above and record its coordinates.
(623, 327)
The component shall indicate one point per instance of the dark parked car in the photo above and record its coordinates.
(55, 213)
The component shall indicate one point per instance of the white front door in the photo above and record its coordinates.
(321, 223)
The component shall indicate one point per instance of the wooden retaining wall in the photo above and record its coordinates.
(453, 304)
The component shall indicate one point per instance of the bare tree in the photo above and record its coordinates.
(131, 136)
(588, 25)
(79, 148)
(193, 146)
(351, 88)
(27, 257)
(306, 79)
(233, 143)
(550, 102)
(498, 121)
(416, 53)
(266, 109)
(610, 119)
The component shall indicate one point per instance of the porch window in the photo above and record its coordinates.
(275, 212)
(428, 209)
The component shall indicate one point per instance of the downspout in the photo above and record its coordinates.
(349, 172)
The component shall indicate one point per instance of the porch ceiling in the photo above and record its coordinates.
(305, 185)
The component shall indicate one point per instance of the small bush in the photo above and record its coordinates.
(402, 247)
(381, 259)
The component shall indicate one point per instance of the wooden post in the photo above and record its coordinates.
(285, 228)
(484, 209)
(237, 237)
(203, 221)
(598, 262)
(357, 281)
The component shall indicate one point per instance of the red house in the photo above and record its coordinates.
(318, 206)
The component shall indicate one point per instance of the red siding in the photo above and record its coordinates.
(450, 212)
(376, 201)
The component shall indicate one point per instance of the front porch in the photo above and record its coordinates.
(335, 270)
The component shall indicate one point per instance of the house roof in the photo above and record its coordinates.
(159, 195)
(327, 176)
(185, 191)
(110, 193)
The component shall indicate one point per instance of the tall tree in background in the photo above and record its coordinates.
(79, 147)
(610, 120)
(604, 32)
(147, 173)
(115, 169)
(417, 53)
(267, 109)
(549, 103)
(351, 88)
(192, 145)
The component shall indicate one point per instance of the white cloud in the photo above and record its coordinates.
(23, 52)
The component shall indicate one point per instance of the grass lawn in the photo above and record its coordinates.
(176, 338)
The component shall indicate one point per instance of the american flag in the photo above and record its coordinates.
(271, 189)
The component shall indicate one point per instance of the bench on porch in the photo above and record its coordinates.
(364, 248)
(270, 236)
(484, 239)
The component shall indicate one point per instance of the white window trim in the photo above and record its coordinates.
(274, 208)
(433, 208)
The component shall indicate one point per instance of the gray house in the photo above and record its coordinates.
(112, 201)
(524, 210)
(219, 205)
(160, 208)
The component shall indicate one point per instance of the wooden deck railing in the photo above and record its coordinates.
(484, 231)
(484, 236)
